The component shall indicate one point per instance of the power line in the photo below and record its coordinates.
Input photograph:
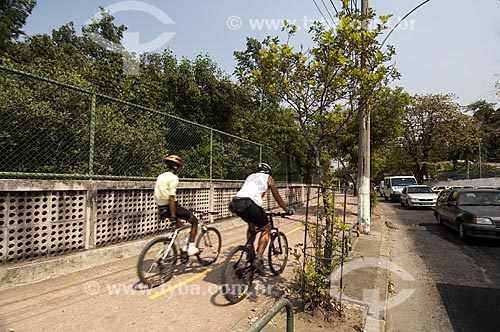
(355, 6)
(322, 14)
(336, 11)
(401, 20)
(327, 10)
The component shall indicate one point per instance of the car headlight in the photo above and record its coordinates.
(482, 221)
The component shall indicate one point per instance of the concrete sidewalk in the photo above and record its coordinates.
(365, 273)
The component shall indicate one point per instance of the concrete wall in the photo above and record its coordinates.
(489, 182)
(50, 228)
(49, 218)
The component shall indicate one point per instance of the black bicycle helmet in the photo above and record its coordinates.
(264, 168)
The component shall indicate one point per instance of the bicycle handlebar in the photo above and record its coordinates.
(203, 213)
(278, 214)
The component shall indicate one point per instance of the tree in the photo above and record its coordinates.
(489, 118)
(13, 15)
(319, 84)
(434, 129)
(388, 111)
(322, 85)
(129, 141)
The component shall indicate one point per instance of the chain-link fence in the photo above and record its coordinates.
(55, 130)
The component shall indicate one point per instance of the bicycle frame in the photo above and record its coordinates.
(173, 236)
(251, 239)
(239, 269)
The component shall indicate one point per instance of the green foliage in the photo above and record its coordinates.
(129, 141)
(489, 120)
(13, 15)
(320, 84)
(387, 112)
(316, 287)
(314, 276)
(433, 130)
(44, 127)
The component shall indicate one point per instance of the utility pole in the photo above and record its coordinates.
(364, 145)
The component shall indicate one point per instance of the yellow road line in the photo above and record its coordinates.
(182, 283)
(294, 230)
(199, 275)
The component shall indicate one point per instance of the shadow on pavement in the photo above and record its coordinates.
(471, 309)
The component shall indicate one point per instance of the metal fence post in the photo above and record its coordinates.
(211, 153)
(92, 136)
(262, 321)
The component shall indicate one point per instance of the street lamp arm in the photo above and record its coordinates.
(401, 20)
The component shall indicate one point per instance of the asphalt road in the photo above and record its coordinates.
(110, 298)
(456, 285)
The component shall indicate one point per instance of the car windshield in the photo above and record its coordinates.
(403, 181)
(421, 190)
(479, 198)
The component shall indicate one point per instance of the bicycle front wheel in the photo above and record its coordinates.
(237, 275)
(209, 242)
(278, 252)
(154, 267)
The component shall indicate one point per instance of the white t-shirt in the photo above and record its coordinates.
(255, 188)
(165, 186)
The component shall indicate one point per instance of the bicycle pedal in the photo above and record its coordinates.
(184, 257)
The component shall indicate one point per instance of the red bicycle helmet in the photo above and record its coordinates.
(173, 159)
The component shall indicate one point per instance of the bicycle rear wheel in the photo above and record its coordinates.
(278, 252)
(153, 268)
(237, 275)
(209, 242)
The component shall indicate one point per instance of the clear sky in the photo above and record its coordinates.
(446, 46)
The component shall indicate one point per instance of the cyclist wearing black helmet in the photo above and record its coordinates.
(248, 205)
(165, 191)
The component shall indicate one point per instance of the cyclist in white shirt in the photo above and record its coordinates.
(248, 205)
(165, 191)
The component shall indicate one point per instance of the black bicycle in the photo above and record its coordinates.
(159, 257)
(239, 272)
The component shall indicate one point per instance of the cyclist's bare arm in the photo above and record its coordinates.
(171, 206)
(276, 194)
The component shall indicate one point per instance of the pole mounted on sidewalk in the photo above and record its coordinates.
(364, 133)
(364, 145)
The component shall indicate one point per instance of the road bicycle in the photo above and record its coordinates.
(159, 257)
(239, 271)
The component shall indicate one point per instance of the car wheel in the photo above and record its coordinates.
(402, 203)
(462, 233)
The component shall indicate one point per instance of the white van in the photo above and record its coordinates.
(394, 184)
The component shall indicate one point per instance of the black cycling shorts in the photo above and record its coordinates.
(180, 212)
(250, 212)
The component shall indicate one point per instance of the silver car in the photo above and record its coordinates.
(418, 196)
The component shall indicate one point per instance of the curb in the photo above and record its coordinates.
(376, 322)
(373, 323)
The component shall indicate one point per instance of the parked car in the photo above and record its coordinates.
(437, 189)
(393, 185)
(487, 187)
(472, 212)
(418, 196)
